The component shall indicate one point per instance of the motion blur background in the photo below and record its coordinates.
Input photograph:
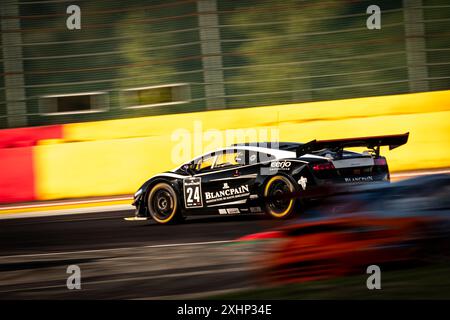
(91, 113)
(135, 60)
(228, 54)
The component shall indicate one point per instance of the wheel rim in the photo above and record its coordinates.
(277, 191)
(162, 204)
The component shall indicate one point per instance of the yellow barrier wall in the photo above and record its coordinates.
(254, 117)
(116, 156)
(96, 168)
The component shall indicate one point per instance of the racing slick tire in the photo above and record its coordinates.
(279, 203)
(162, 204)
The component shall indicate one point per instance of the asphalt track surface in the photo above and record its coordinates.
(127, 260)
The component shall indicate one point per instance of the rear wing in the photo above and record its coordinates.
(375, 142)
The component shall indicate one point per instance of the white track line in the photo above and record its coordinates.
(115, 249)
(161, 276)
(198, 295)
(69, 202)
(61, 212)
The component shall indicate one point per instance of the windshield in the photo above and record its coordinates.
(216, 160)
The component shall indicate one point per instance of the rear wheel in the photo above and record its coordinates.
(162, 204)
(279, 201)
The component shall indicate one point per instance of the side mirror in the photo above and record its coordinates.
(188, 169)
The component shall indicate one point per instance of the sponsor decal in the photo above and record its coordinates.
(255, 209)
(229, 211)
(226, 186)
(227, 194)
(280, 165)
(302, 181)
(359, 179)
(233, 211)
(192, 193)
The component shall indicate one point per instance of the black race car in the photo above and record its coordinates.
(263, 177)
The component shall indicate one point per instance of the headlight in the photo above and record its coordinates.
(138, 193)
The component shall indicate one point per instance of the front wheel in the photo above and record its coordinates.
(278, 195)
(162, 204)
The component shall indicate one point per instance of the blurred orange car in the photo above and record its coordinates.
(392, 226)
(342, 246)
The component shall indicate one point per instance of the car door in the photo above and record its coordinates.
(193, 186)
(228, 180)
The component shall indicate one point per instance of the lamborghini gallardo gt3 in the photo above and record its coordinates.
(270, 178)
